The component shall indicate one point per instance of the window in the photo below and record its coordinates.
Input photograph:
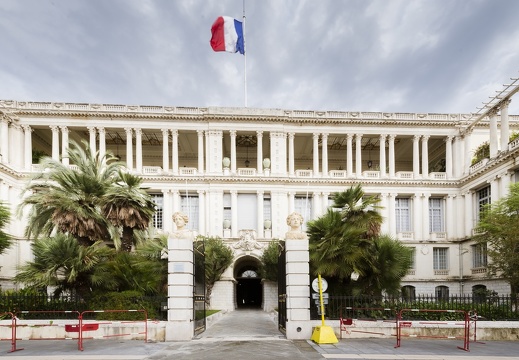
(227, 211)
(442, 292)
(483, 199)
(436, 223)
(408, 293)
(157, 220)
(267, 208)
(413, 259)
(479, 293)
(189, 206)
(479, 255)
(402, 215)
(303, 205)
(440, 258)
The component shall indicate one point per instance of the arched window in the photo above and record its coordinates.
(442, 292)
(408, 293)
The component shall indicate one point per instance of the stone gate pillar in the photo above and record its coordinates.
(298, 324)
(180, 324)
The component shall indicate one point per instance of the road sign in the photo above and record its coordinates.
(315, 285)
(316, 296)
(318, 302)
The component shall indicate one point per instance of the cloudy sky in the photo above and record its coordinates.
(349, 55)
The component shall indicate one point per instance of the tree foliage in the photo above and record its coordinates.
(269, 261)
(217, 257)
(5, 239)
(347, 240)
(500, 233)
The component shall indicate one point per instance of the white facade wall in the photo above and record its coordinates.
(199, 139)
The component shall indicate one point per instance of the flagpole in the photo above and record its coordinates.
(244, 58)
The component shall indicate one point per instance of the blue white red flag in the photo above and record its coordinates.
(227, 35)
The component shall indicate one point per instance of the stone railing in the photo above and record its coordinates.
(479, 165)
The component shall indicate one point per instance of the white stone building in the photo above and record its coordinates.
(241, 171)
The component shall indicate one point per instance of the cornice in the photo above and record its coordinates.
(207, 114)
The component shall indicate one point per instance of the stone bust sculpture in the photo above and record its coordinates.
(180, 219)
(295, 220)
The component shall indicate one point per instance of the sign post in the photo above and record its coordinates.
(323, 334)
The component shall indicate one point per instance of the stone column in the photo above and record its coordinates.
(425, 157)
(457, 160)
(416, 157)
(167, 213)
(180, 288)
(298, 289)
(459, 206)
(200, 151)
(176, 201)
(202, 228)
(384, 228)
(102, 141)
(259, 156)
(174, 151)
(259, 209)
(467, 153)
(469, 211)
(417, 216)
(494, 144)
(505, 127)
(129, 148)
(165, 150)
(450, 217)
(448, 156)
(234, 213)
(64, 145)
(358, 155)
(27, 151)
(392, 156)
(426, 231)
(92, 140)
(316, 155)
(349, 155)
(291, 154)
(233, 151)
(494, 189)
(325, 155)
(324, 198)
(138, 150)
(382, 155)
(291, 202)
(505, 184)
(55, 144)
(392, 212)
(4, 145)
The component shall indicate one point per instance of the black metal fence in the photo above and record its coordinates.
(156, 306)
(502, 308)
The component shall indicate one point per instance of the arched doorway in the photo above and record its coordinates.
(249, 289)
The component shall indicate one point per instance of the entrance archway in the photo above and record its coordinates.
(249, 288)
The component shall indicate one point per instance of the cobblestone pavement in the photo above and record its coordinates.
(253, 335)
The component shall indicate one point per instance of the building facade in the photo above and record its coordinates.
(238, 172)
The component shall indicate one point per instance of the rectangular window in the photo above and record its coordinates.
(479, 255)
(440, 258)
(227, 210)
(157, 220)
(436, 212)
(402, 214)
(413, 258)
(267, 208)
(483, 199)
(189, 206)
(303, 205)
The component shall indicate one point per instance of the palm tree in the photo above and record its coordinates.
(5, 239)
(126, 204)
(346, 240)
(67, 200)
(62, 263)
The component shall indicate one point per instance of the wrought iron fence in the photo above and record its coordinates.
(502, 308)
(16, 303)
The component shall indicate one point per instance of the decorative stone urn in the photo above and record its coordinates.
(267, 224)
(226, 162)
(226, 224)
(266, 163)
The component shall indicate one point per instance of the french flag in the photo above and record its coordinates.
(227, 35)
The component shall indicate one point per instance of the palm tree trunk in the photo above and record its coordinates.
(208, 292)
(127, 239)
(84, 241)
